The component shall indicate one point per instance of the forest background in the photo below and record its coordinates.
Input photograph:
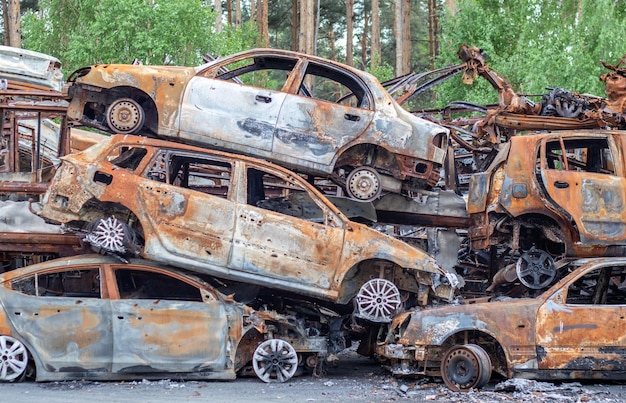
(534, 44)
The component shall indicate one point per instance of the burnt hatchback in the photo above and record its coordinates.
(574, 330)
(94, 317)
(240, 219)
(300, 111)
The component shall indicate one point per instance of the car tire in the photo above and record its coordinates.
(466, 367)
(111, 235)
(364, 184)
(275, 360)
(125, 116)
(13, 359)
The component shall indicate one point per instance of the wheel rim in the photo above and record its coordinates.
(363, 184)
(461, 369)
(484, 362)
(378, 300)
(13, 358)
(535, 269)
(275, 360)
(125, 116)
(110, 234)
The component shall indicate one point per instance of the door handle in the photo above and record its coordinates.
(561, 185)
(354, 118)
(263, 98)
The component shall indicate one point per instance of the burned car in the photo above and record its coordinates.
(94, 317)
(303, 112)
(237, 218)
(28, 70)
(548, 196)
(574, 330)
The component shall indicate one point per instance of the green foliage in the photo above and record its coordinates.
(534, 44)
(85, 32)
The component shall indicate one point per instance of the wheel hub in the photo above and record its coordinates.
(378, 300)
(535, 269)
(110, 234)
(125, 116)
(14, 359)
(364, 184)
(275, 360)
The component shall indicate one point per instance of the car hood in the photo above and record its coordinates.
(433, 325)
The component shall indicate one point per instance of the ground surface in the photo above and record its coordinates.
(354, 379)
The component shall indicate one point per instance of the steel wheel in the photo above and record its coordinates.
(13, 359)
(378, 300)
(535, 269)
(466, 367)
(110, 234)
(125, 116)
(363, 184)
(275, 360)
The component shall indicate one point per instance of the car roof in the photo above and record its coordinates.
(158, 143)
(291, 53)
(93, 259)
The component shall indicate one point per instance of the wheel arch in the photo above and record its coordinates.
(500, 358)
(360, 273)
(245, 348)
(368, 154)
(144, 99)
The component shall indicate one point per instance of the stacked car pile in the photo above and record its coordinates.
(266, 235)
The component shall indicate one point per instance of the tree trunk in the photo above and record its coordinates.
(349, 31)
(433, 32)
(218, 16)
(364, 39)
(252, 10)
(451, 5)
(229, 12)
(237, 13)
(402, 33)
(294, 24)
(5, 20)
(375, 52)
(406, 40)
(333, 49)
(12, 29)
(307, 29)
(262, 23)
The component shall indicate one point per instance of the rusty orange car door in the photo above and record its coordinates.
(588, 185)
(161, 324)
(274, 245)
(581, 326)
(187, 206)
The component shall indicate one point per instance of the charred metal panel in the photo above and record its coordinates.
(172, 336)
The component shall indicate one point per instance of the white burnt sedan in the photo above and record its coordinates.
(309, 114)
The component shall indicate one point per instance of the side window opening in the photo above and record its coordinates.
(271, 192)
(330, 85)
(83, 283)
(605, 286)
(192, 172)
(140, 284)
(261, 71)
(581, 155)
(127, 157)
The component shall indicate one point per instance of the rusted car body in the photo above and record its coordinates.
(303, 112)
(549, 196)
(232, 216)
(94, 317)
(28, 70)
(573, 330)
